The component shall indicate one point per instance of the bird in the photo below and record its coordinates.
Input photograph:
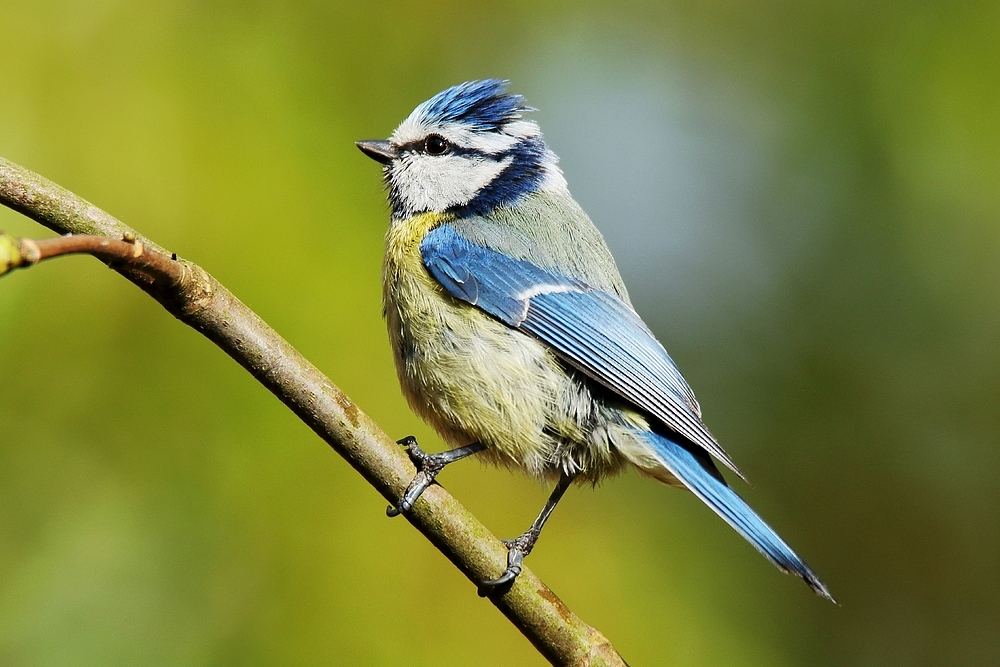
(512, 332)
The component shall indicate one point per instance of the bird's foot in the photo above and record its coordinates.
(428, 467)
(517, 550)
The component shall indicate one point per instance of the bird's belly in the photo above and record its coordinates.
(475, 379)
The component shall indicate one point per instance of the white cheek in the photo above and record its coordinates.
(436, 183)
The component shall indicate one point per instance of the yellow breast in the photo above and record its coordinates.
(402, 242)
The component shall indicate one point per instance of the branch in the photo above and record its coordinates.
(197, 299)
(22, 253)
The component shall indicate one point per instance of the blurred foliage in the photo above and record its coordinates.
(803, 197)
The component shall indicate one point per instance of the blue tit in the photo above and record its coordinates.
(512, 332)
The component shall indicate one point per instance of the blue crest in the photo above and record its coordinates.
(481, 105)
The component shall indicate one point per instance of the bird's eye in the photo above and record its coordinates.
(436, 145)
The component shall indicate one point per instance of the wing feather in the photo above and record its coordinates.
(593, 331)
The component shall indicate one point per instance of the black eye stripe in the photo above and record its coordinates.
(419, 146)
(432, 144)
(524, 174)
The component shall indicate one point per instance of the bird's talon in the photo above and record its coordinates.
(419, 457)
(515, 561)
(504, 581)
(428, 466)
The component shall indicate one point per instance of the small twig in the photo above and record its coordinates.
(21, 253)
(203, 303)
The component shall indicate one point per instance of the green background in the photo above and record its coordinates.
(803, 197)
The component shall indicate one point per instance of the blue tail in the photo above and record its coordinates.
(707, 484)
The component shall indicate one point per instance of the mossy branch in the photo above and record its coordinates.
(197, 299)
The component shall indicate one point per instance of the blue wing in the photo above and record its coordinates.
(592, 330)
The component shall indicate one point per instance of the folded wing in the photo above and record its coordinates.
(591, 330)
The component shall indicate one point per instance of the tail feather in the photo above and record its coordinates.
(715, 493)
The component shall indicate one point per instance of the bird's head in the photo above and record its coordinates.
(467, 150)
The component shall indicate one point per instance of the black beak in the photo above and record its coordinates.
(378, 150)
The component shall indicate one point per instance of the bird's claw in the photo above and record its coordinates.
(517, 549)
(408, 443)
(428, 467)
